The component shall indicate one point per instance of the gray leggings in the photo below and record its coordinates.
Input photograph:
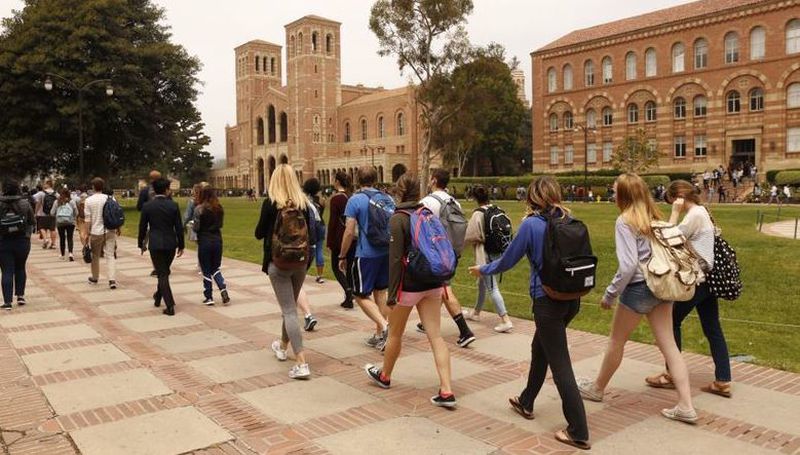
(287, 284)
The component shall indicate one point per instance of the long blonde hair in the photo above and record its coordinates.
(636, 203)
(544, 195)
(284, 187)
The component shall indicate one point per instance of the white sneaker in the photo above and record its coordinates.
(471, 315)
(280, 354)
(588, 390)
(504, 327)
(300, 371)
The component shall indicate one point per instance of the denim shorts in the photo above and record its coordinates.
(638, 298)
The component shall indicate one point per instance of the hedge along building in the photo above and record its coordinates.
(314, 123)
(710, 82)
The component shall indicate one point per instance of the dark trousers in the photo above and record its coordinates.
(209, 254)
(14, 253)
(708, 311)
(344, 278)
(549, 348)
(65, 234)
(162, 261)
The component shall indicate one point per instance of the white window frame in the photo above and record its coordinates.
(731, 48)
(650, 111)
(569, 154)
(700, 145)
(553, 122)
(758, 43)
(650, 63)
(608, 70)
(733, 105)
(793, 95)
(700, 54)
(381, 129)
(679, 108)
(756, 96)
(633, 113)
(554, 155)
(567, 77)
(793, 36)
(793, 140)
(569, 120)
(678, 58)
(630, 66)
(608, 120)
(591, 118)
(588, 73)
(591, 153)
(703, 107)
(552, 80)
(679, 148)
(608, 149)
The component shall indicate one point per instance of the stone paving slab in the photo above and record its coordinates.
(88, 370)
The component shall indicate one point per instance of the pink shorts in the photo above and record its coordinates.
(411, 299)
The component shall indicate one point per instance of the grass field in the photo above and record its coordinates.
(764, 322)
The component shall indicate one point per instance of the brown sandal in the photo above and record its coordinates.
(722, 389)
(563, 437)
(517, 407)
(661, 381)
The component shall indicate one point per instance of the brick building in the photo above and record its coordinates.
(710, 82)
(314, 122)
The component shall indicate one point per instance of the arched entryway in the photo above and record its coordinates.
(284, 159)
(397, 171)
(260, 170)
(270, 167)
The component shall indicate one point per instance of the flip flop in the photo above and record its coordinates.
(563, 437)
(517, 407)
(661, 381)
(715, 388)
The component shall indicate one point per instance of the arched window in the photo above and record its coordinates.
(284, 127)
(260, 131)
(591, 119)
(793, 95)
(650, 114)
(608, 116)
(299, 43)
(633, 113)
(679, 107)
(328, 43)
(793, 36)
(314, 42)
(756, 100)
(650, 63)
(553, 122)
(264, 63)
(258, 59)
(608, 70)
(588, 73)
(272, 66)
(381, 132)
(734, 102)
(630, 66)
(758, 43)
(700, 54)
(271, 124)
(567, 77)
(552, 83)
(731, 47)
(568, 121)
(700, 106)
(678, 58)
(347, 131)
(401, 124)
(292, 50)
(363, 129)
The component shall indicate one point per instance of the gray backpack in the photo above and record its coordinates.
(454, 222)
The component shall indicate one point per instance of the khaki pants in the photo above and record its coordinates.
(107, 244)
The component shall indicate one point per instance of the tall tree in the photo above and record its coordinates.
(150, 115)
(635, 154)
(429, 39)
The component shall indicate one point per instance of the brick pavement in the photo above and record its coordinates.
(88, 370)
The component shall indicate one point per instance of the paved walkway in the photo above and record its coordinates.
(782, 229)
(88, 370)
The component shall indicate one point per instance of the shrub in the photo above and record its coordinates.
(771, 175)
(791, 178)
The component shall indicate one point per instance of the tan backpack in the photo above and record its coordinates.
(290, 238)
(673, 270)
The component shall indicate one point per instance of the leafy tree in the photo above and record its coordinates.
(151, 118)
(635, 154)
(429, 39)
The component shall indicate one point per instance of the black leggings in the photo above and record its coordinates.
(65, 233)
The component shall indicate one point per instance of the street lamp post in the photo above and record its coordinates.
(586, 130)
(48, 85)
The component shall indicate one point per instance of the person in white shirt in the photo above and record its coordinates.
(773, 195)
(100, 239)
(439, 180)
(787, 193)
(45, 222)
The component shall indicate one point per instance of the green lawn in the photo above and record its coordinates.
(764, 322)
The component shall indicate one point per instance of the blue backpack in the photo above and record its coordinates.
(113, 215)
(381, 208)
(431, 257)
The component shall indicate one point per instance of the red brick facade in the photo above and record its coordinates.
(760, 66)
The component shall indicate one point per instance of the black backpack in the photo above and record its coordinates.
(12, 223)
(568, 267)
(497, 230)
(47, 202)
(113, 215)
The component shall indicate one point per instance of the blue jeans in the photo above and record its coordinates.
(489, 282)
(13, 256)
(708, 311)
(209, 254)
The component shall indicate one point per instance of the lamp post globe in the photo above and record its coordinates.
(109, 90)
(48, 84)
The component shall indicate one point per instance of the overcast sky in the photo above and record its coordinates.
(210, 29)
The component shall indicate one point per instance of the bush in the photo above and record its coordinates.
(596, 182)
(771, 175)
(791, 178)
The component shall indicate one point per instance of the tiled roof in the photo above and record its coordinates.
(312, 17)
(383, 94)
(664, 16)
(258, 41)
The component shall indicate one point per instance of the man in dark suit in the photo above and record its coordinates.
(162, 217)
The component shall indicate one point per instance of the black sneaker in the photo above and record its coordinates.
(311, 322)
(225, 297)
(347, 304)
(466, 340)
(153, 273)
(6, 306)
(376, 375)
(112, 284)
(448, 401)
(21, 300)
(170, 311)
(420, 328)
(208, 301)
(92, 280)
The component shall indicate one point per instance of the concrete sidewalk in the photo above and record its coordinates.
(84, 369)
(787, 228)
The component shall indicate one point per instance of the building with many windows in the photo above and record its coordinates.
(710, 82)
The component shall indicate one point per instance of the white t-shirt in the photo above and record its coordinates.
(38, 198)
(699, 231)
(93, 210)
(433, 204)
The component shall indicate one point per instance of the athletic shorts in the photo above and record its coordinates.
(370, 274)
(46, 222)
(411, 299)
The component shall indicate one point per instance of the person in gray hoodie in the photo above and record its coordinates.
(15, 242)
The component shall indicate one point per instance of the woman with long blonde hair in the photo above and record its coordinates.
(549, 346)
(633, 233)
(285, 193)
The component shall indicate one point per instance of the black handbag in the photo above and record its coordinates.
(87, 254)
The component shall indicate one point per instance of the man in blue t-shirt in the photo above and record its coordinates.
(370, 270)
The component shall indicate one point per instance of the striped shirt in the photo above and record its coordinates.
(699, 231)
